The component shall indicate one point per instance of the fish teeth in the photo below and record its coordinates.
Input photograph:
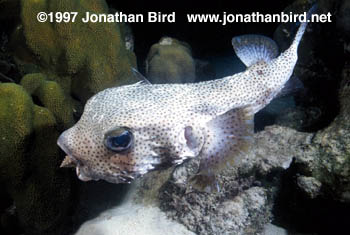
(68, 162)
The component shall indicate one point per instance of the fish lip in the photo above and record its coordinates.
(81, 175)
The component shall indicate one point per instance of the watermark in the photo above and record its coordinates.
(256, 17)
(159, 17)
(118, 17)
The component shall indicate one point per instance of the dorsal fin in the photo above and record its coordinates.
(139, 76)
(252, 48)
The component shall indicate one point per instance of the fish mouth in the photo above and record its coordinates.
(81, 175)
(70, 161)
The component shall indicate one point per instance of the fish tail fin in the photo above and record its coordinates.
(302, 27)
(251, 48)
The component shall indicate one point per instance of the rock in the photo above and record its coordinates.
(314, 68)
(170, 61)
(299, 118)
(310, 185)
(271, 229)
(237, 216)
(327, 157)
(243, 205)
(318, 181)
(343, 18)
(132, 218)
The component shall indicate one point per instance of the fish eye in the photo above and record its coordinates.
(119, 139)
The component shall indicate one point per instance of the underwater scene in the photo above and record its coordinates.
(185, 117)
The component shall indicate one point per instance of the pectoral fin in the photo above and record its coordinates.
(228, 138)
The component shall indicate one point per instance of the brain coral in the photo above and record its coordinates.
(83, 58)
(29, 161)
(64, 64)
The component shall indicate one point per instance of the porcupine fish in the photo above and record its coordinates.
(127, 131)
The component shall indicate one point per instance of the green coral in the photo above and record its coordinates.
(28, 168)
(64, 64)
(51, 96)
(15, 129)
(83, 58)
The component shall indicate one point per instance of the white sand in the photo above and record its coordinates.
(131, 218)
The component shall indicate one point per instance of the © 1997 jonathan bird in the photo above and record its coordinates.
(127, 131)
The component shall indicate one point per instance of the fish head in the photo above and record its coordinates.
(119, 143)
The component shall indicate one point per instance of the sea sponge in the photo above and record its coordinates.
(170, 61)
(83, 57)
(29, 162)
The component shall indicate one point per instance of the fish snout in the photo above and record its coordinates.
(71, 160)
(62, 142)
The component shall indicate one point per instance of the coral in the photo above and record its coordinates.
(16, 126)
(83, 58)
(29, 162)
(170, 61)
(51, 95)
(63, 65)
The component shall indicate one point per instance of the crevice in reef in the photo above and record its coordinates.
(298, 213)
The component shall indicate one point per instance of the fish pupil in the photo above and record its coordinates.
(119, 139)
(122, 140)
